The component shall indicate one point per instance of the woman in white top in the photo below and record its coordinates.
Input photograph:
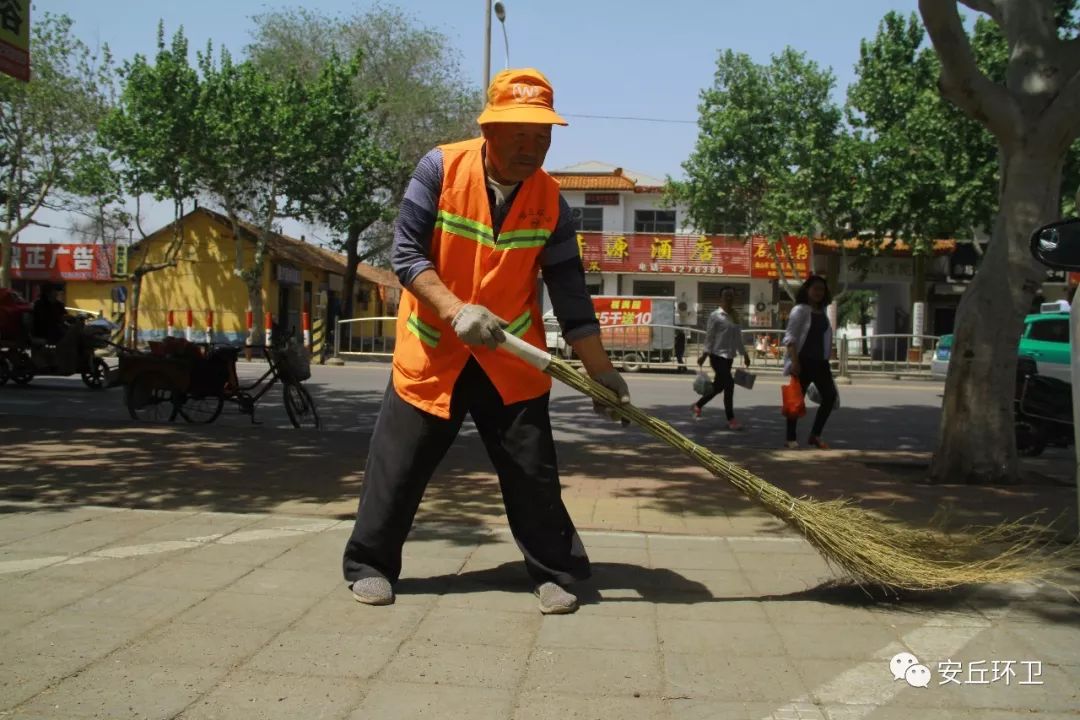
(809, 343)
(723, 342)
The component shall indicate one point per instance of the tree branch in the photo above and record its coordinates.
(988, 7)
(1060, 123)
(961, 80)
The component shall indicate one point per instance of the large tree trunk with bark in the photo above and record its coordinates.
(352, 261)
(133, 309)
(976, 440)
(5, 260)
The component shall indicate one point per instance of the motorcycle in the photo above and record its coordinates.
(22, 360)
(1042, 410)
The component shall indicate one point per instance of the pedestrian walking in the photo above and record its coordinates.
(723, 344)
(479, 220)
(808, 340)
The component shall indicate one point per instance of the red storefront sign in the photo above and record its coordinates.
(623, 311)
(764, 266)
(658, 253)
(60, 262)
(624, 322)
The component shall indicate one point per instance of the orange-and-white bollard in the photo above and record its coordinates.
(306, 320)
(209, 327)
(189, 331)
(249, 319)
(170, 324)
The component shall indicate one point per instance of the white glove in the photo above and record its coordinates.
(476, 325)
(613, 381)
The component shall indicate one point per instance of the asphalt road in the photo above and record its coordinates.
(875, 414)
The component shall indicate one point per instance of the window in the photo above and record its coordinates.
(654, 221)
(588, 219)
(654, 288)
(1055, 331)
(593, 288)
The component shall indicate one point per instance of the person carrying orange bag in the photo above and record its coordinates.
(808, 340)
(792, 406)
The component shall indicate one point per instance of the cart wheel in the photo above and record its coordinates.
(1030, 440)
(148, 398)
(631, 361)
(95, 376)
(21, 369)
(300, 406)
(204, 410)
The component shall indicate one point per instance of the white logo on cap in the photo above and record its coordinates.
(525, 92)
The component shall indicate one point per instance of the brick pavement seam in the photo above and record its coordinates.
(152, 627)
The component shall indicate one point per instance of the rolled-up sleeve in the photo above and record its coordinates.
(564, 276)
(410, 254)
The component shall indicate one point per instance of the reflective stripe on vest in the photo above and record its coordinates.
(521, 324)
(427, 334)
(497, 272)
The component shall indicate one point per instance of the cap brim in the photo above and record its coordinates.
(521, 114)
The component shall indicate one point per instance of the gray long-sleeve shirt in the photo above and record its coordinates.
(723, 336)
(560, 262)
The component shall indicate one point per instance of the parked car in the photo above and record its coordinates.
(1046, 340)
(939, 364)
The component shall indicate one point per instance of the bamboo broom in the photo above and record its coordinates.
(868, 550)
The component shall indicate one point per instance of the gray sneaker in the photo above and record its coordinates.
(554, 600)
(374, 590)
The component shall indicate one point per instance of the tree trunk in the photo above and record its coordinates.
(133, 311)
(255, 302)
(5, 259)
(976, 439)
(352, 261)
(863, 322)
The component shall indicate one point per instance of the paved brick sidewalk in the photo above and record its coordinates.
(110, 613)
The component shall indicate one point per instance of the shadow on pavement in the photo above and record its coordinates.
(234, 466)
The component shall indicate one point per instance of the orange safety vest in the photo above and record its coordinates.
(499, 273)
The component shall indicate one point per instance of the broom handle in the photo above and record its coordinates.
(530, 354)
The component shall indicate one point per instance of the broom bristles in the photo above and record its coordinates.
(863, 546)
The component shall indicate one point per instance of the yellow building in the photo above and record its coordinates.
(204, 282)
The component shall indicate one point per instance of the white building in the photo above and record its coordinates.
(635, 244)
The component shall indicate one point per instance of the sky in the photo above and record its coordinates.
(623, 58)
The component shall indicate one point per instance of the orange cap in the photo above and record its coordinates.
(521, 95)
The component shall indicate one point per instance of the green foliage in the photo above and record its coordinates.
(408, 79)
(928, 171)
(856, 307)
(767, 159)
(47, 126)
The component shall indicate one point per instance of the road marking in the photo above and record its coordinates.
(869, 686)
(130, 551)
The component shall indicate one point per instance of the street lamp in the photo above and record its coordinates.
(500, 13)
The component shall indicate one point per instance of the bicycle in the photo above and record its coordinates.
(193, 382)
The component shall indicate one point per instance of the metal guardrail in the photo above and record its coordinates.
(365, 337)
(653, 347)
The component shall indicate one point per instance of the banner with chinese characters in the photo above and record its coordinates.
(15, 38)
(60, 262)
(624, 322)
(764, 266)
(656, 253)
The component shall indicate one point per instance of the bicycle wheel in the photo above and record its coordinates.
(148, 398)
(202, 410)
(300, 406)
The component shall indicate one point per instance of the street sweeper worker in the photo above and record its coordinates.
(480, 221)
